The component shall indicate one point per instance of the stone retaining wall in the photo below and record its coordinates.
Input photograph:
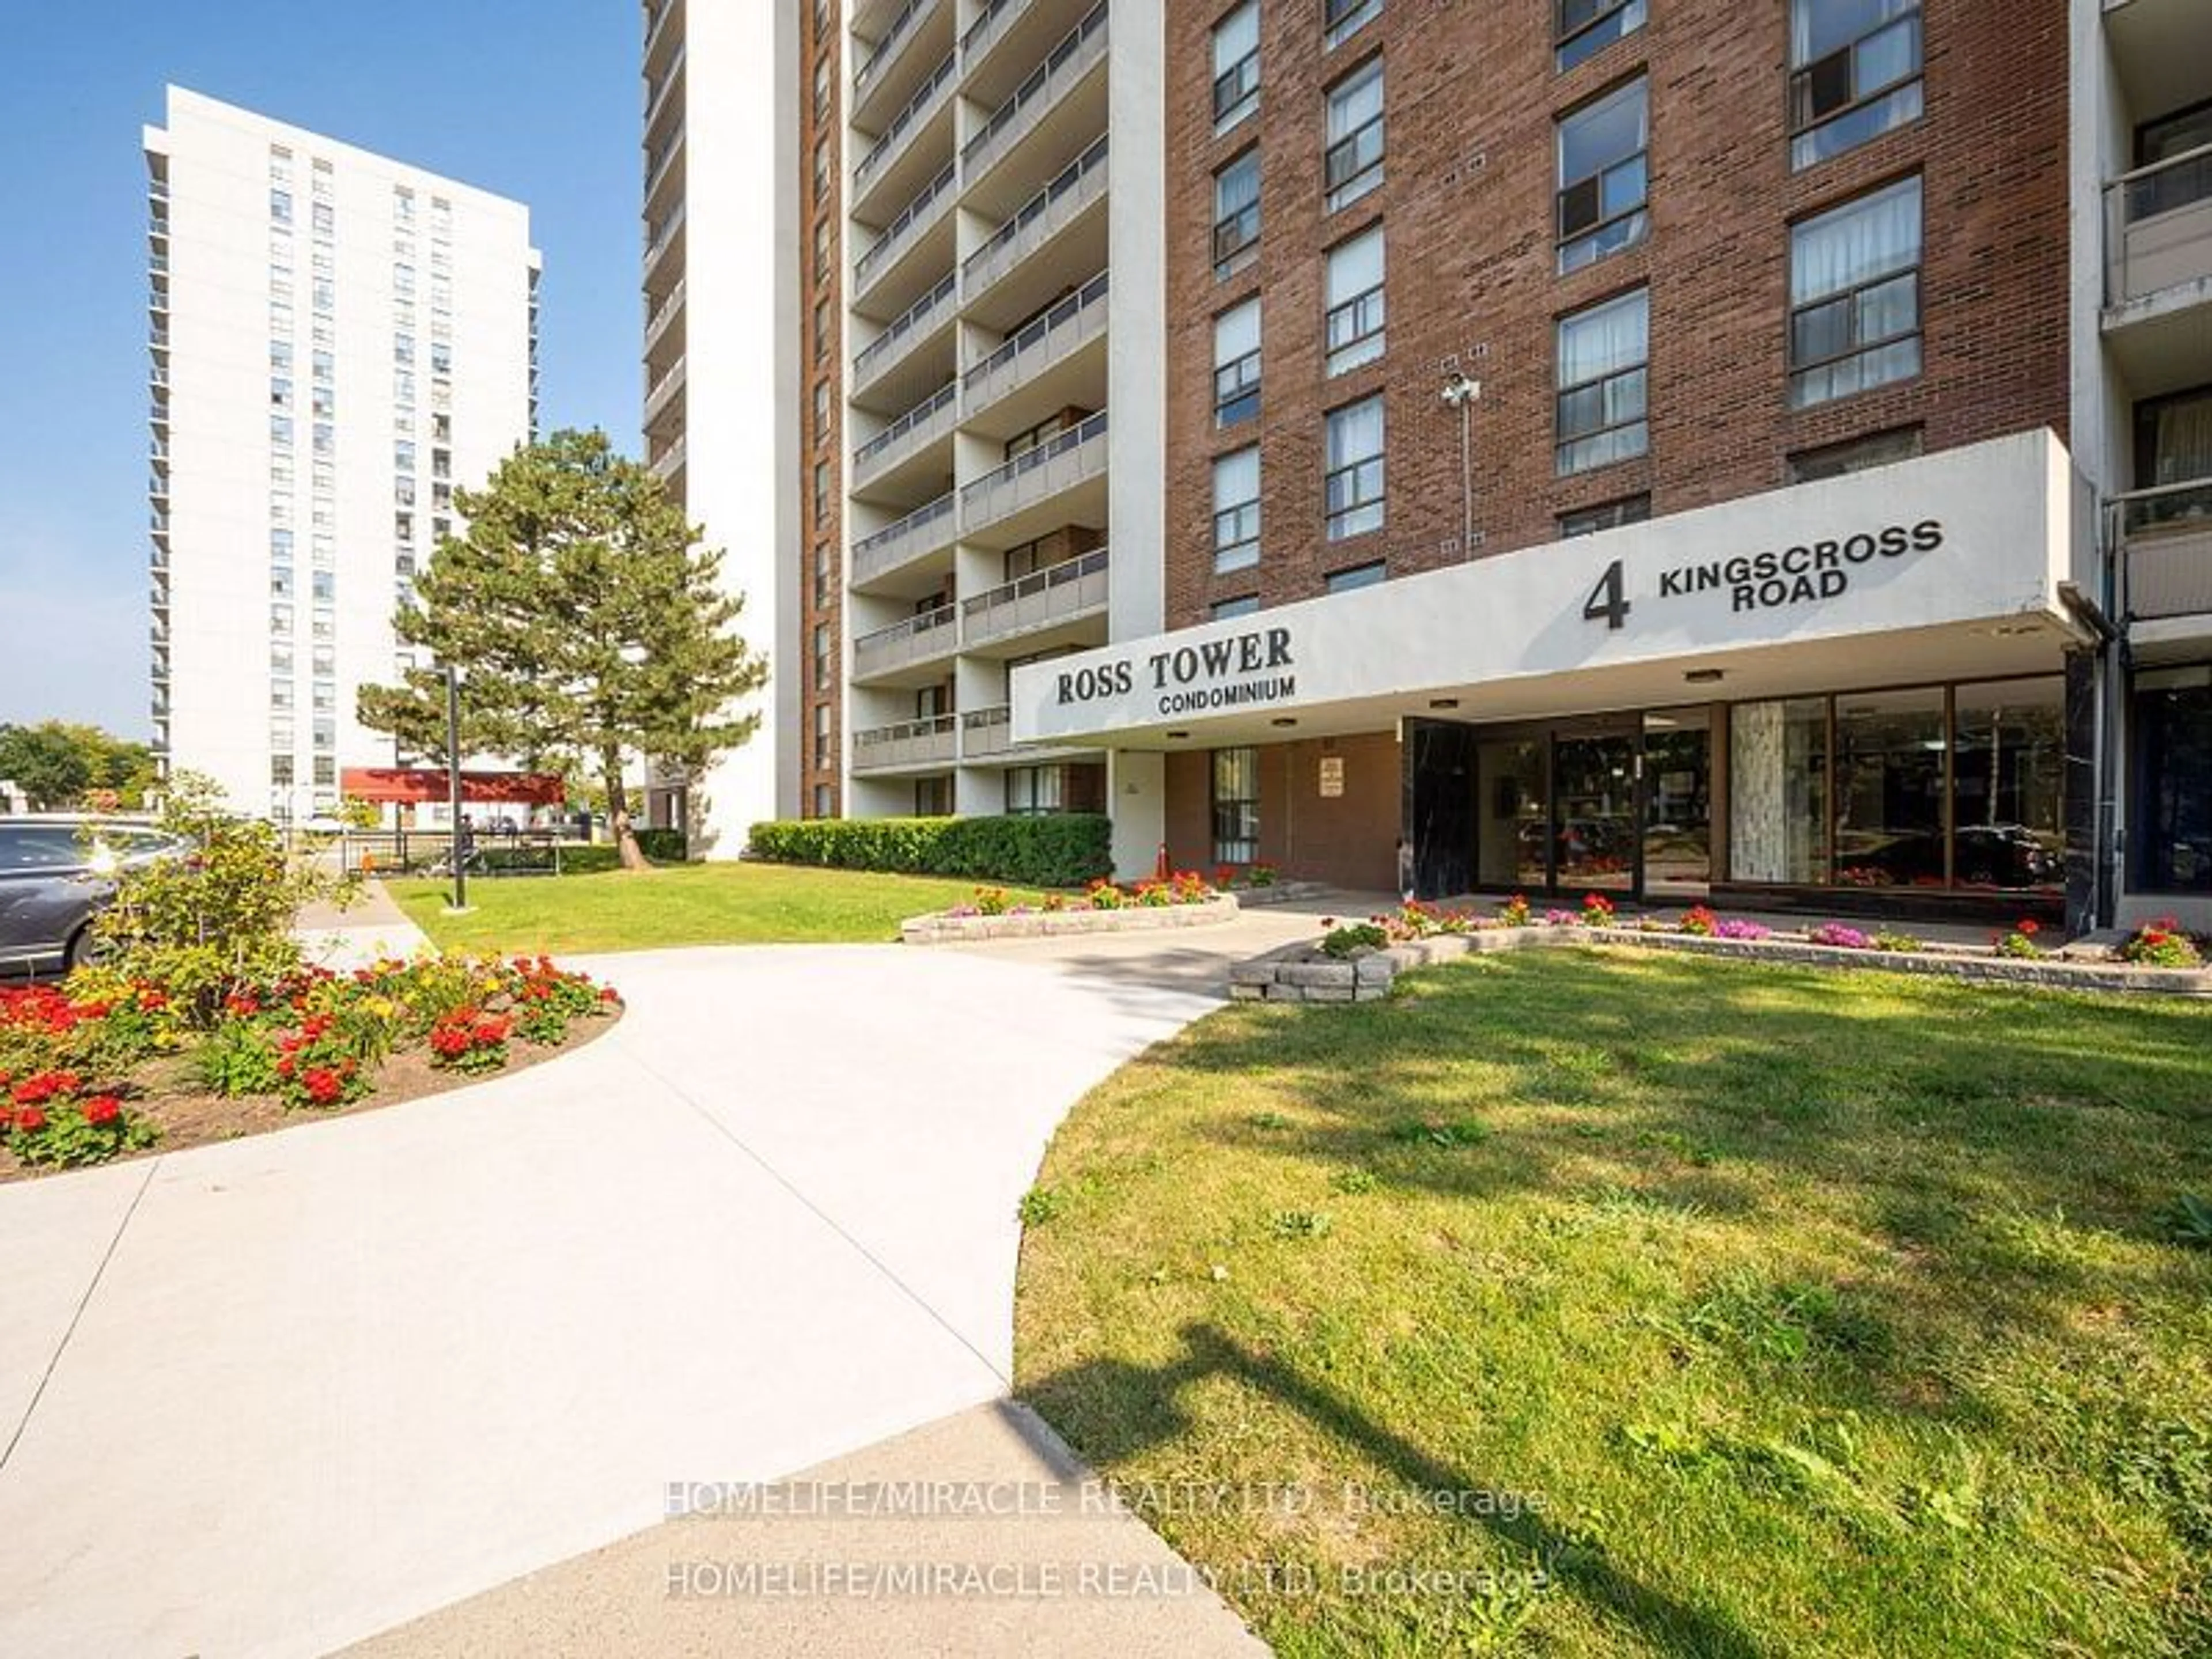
(941, 929)
(1298, 973)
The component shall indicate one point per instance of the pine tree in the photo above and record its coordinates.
(589, 623)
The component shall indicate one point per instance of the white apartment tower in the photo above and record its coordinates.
(337, 341)
(903, 257)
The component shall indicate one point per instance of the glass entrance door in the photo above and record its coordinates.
(1595, 827)
(1513, 813)
(1678, 813)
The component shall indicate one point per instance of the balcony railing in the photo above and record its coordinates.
(664, 313)
(900, 234)
(656, 162)
(888, 347)
(889, 44)
(657, 99)
(925, 530)
(2163, 540)
(664, 233)
(657, 396)
(926, 422)
(1078, 51)
(1062, 592)
(985, 733)
(922, 638)
(1058, 464)
(990, 25)
(1077, 318)
(1078, 185)
(931, 742)
(2159, 227)
(910, 113)
(671, 460)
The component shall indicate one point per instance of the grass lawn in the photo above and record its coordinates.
(679, 904)
(1682, 1307)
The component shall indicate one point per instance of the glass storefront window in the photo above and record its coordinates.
(2009, 785)
(1778, 794)
(1889, 789)
(2173, 780)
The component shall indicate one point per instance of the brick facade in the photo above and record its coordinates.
(1467, 203)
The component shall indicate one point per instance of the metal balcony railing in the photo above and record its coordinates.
(987, 732)
(893, 41)
(656, 395)
(664, 233)
(901, 234)
(922, 638)
(657, 99)
(1079, 318)
(1079, 53)
(2162, 542)
(895, 131)
(665, 314)
(671, 460)
(990, 25)
(910, 743)
(924, 423)
(888, 347)
(1062, 592)
(1072, 191)
(1073, 456)
(656, 163)
(925, 530)
(2158, 227)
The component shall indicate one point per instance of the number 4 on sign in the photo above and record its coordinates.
(1608, 600)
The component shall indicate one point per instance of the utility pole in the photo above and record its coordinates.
(453, 785)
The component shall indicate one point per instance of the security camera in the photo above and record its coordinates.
(1459, 391)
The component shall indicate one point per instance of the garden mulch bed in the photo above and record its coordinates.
(189, 1116)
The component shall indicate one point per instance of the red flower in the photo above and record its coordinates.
(2030, 929)
(30, 1120)
(102, 1109)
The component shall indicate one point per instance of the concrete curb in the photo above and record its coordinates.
(1133, 918)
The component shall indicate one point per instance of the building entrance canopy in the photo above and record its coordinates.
(1953, 566)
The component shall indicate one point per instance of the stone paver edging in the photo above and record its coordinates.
(1132, 918)
(1296, 973)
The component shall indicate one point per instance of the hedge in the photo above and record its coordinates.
(1065, 849)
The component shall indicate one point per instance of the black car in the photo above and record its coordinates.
(55, 876)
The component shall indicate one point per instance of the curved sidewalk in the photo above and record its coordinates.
(275, 1396)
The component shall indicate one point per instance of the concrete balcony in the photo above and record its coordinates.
(662, 236)
(894, 654)
(988, 733)
(1043, 99)
(665, 169)
(1068, 208)
(665, 390)
(1046, 607)
(1027, 361)
(2162, 540)
(910, 746)
(887, 75)
(914, 143)
(899, 548)
(663, 29)
(1021, 499)
(891, 272)
(2158, 273)
(665, 316)
(662, 95)
(668, 465)
(928, 424)
(917, 347)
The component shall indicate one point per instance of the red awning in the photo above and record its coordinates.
(421, 787)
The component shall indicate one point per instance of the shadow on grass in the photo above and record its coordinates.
(1110, 1411)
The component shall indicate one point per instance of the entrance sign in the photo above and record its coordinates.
(1331, 776)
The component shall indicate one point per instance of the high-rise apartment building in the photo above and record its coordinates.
(337, 341)
(1659, 447)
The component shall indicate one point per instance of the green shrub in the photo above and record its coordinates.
(1059, 850)
(663, 846)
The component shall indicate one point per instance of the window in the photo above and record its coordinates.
(325, 219)
(822, 87)
(1360, 576)
(1236, 66)
(280, 392)
(1237, 363)
(1236, 214)
(326, 403)
(280, 545)
(324, 732)
(1353, 165)
(821, 492)
(280, 356)
(1855, 296)
(279, 206)
(1342, 19)
(1226, 609)
(1610, 515)
(1834, 460)
(1354, 299)
(2172, 723)
(1237, 510)
(1603, 148)
(821, 172)
(933, 797)
(822, 657)
(325, 365)
(326, 587)
(1585, 28)
(1235, 801)
(280, 582)
(822, 248)
(824, 801)
(1035, 791)
(1603, 355)
(441, 358)
(326, 773)
(824, 750)
(280, 429)
(1854, 74)
(821, 410)
(280, 769)
(821, 575)
(1353, 478)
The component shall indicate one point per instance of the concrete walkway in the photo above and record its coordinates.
(372, 928)
(278, 1396)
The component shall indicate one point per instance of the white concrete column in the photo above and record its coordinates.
(1137, 787)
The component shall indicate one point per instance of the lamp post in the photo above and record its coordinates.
(453, 785)
(1459, 394)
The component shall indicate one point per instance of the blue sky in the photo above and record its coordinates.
(537, 100)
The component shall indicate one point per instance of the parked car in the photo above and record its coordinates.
(56, 875)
